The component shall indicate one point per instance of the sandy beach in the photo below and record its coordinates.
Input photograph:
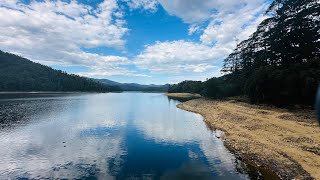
(287, 142)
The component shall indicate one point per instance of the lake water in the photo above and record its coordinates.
(109, 136)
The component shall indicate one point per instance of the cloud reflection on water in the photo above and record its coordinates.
(110, 136)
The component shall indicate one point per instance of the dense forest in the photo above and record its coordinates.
(20, 74)
(278, 64)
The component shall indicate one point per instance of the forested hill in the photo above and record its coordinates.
(135, 86)
(278, 64)
(20, 74)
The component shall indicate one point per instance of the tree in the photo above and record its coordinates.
(281, 58)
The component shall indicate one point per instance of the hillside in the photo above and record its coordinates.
(135, 86)
(20, 74)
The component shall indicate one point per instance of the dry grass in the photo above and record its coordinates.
(182, 97)
(287, 142)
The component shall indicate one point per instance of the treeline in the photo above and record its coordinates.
(221, 87)
(20, 74)
(135, 86)
(186, 87)
(279, 63)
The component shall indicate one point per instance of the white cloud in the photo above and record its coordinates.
(226, 27)
(194, 28)
(55, 32)
(101, 72)
(227, 19)
(216, 72)
(190, 11)
(221, 24)
(179, 57)
(142, 4)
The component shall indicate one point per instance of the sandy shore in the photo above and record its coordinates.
(286, 142)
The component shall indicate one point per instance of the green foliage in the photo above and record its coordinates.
(20, 74)
(284, 85)
(225, 86)
(186, 87)
(281, 59)
(290, 35)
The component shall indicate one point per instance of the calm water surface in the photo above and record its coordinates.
(108, 136)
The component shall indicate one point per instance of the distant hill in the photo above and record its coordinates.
(134, 86)
(107, 82)
(20, 74)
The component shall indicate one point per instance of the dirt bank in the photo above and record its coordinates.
(284, 141)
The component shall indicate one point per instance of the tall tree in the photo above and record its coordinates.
(290, 35)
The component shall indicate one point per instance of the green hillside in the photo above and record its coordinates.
(135, 86)
(20, 74)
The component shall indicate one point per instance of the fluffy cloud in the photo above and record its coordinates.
(142, 4)
(104, 71)
(226, 26)
(221, 25)
(56, 32)
(189, 10)
(227, 20)
(179, 57)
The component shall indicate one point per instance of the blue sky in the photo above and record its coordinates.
(143, 41)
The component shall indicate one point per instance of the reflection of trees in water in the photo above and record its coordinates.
(181, 99)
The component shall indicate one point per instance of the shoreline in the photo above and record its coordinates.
(284, 142)
(38, 92)
(182, 97)
(51, 92)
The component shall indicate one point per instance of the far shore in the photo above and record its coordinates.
(32, 92)
(286, 142)
(44, 92)
(183, 95)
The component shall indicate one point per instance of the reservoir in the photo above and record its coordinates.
(109, 136)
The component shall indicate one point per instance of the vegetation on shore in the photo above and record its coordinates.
(279, 64)
(20, 74)
(281, 140)
(183, 96)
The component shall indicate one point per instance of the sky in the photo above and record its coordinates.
(141, 41)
